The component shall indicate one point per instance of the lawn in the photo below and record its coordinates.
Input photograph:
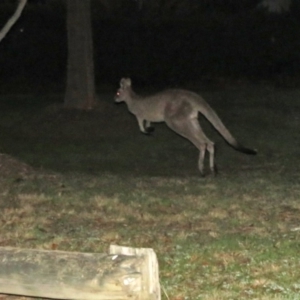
(80, 181)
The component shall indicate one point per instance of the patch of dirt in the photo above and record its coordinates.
(10, 166)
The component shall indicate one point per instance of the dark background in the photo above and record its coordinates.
(159, 47)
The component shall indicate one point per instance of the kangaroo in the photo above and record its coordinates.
(179, 110)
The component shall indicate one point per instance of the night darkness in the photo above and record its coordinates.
(165, 46)
(81, 170)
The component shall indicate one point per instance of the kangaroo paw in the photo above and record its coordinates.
(146, 132)
(150, 129)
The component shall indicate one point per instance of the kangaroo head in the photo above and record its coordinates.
(124, 92)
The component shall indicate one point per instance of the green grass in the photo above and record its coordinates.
(80, 181)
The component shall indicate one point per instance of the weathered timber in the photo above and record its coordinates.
(73, 275)
(149, 269)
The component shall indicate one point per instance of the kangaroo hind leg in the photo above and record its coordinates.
(188, 126)
(203, 143)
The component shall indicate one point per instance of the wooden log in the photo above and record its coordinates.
(73, 275)
(149, 269)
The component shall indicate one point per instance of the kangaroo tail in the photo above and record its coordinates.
(243, 149)
(207, 111)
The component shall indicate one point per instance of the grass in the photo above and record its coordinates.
(80, 181)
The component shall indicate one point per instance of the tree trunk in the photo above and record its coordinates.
(80, 90)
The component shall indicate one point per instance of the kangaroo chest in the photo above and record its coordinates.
(148, 110)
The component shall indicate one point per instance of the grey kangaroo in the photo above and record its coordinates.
(179, 110)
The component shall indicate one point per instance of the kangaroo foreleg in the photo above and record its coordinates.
(148, 128)
(145, 126)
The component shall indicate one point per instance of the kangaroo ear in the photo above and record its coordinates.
(122, 83)
(128, 81)
(125, 82)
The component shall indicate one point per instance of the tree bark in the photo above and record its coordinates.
(80, 89)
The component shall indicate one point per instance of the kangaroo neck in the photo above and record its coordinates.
(132, 98)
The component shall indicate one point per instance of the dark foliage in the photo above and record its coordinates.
(230, 41)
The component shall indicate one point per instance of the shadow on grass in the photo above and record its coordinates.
(93, 142)
(104, 140)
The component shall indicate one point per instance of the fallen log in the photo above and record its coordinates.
(125, 273)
